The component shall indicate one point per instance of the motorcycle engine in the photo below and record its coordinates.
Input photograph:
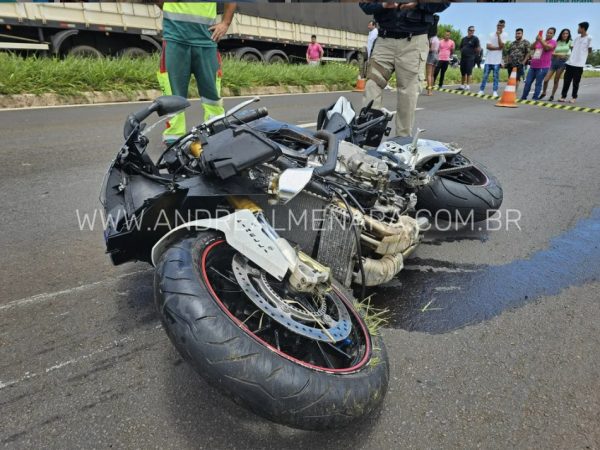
(354, 161)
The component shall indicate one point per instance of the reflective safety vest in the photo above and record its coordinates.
(196, 12)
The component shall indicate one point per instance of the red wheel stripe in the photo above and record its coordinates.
(270, 347)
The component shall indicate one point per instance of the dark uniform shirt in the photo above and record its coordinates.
(413, 21)
(468, 46)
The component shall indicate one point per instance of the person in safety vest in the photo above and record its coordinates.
(190, 36)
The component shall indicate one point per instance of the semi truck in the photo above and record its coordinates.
(265, 32)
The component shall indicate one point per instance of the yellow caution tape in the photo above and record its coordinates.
(551, 105)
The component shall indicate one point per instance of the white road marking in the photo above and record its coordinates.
(437, 269)
(50, 295)
(307, 125)
(447, 288)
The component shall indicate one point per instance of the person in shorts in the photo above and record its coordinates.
(564, 43)
(518, 51)
(432, 56)
(314, 52)
(469, 50)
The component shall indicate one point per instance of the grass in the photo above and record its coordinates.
(72, 76)
(375, 318)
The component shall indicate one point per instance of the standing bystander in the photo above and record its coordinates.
(582, 47)
(314, 52)
(469, 49)
(432, 56)
(541, 60)
(559, 60)
(444, 55)
(493, 59)
(517, 54)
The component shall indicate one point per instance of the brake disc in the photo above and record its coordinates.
(315, 324)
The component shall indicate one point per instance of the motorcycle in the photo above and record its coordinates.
(251, 285)
(259, 316)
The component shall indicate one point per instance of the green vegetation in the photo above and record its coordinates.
(72, 76)
(75, 75)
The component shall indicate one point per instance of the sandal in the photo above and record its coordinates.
(572, 100)
(562, 100)
(551, 98)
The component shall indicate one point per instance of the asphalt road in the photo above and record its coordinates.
(494, 335)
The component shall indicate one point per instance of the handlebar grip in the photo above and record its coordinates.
(332, 152)
(249, 116)
(239, 119)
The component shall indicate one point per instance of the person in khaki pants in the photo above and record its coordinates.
(401, 47)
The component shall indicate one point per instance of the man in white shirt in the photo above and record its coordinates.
(373, 33)
(582, 47)
(493, 59)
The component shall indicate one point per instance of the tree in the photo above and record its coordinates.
(594, 58)
(455, 34)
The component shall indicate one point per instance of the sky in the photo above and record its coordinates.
(532, 17)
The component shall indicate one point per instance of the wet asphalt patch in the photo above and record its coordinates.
(436, 296)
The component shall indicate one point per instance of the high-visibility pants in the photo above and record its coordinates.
(177, 64)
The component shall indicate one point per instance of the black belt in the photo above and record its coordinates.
(396, 34)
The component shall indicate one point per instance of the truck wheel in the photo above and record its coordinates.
(249, 54)
(275, 57)
(85, 51)
(133, 52)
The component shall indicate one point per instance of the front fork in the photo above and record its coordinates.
(306, 274)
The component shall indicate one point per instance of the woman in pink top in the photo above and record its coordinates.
(444, 55)
(314, 52)
(541, 60)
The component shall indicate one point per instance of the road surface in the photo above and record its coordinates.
(494, 334)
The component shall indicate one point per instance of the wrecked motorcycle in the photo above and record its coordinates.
(257, 313)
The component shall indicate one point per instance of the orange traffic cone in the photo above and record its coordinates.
(360, 85)
(509, 96)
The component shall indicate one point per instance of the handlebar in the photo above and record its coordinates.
(242, 117)
(332, 152)
(370, 123)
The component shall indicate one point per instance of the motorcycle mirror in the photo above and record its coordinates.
(169, 104)
(291, 182)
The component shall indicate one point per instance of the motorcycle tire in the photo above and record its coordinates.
(453, 199)
(255, 374)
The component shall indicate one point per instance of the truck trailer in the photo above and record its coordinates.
(264, 32)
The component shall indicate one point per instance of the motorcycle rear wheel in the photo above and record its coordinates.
(473, 194)
(210, 323)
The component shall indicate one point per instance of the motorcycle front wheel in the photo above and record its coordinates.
(283, 376)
